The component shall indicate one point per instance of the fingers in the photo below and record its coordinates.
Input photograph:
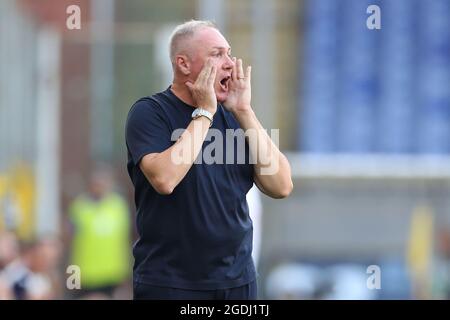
(190, 85)
(248, 75)
(204, 74)
(240, 71)
(237, 72)
(234, 70)
(212, 76)
(205, 78)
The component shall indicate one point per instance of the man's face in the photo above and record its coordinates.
(210, 43)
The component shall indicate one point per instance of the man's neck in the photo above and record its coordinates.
(182, 92)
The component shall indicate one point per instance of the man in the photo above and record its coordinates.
(31, 276)
(100, 245)
(192, 218)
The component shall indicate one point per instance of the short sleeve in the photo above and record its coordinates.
(147, 130)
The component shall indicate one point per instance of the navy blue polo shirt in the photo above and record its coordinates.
(200, 236)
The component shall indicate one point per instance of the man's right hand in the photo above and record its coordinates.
(202, 90)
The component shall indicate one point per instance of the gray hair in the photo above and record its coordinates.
(184, 31)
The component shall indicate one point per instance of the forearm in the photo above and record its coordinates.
(272, 169)
(169, 167)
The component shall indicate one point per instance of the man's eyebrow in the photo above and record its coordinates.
(220, 48)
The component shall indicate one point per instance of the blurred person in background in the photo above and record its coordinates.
(101, 237)
(33, 275)
(9, 248)
(5, 292)
(9, 251)
(193, 220)
(441, 268)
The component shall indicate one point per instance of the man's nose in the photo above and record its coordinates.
(229, 63)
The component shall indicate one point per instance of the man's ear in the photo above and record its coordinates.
(183, 64)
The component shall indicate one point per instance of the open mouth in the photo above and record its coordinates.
(224, 83)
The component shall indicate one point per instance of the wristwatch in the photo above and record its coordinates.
(199, 112)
